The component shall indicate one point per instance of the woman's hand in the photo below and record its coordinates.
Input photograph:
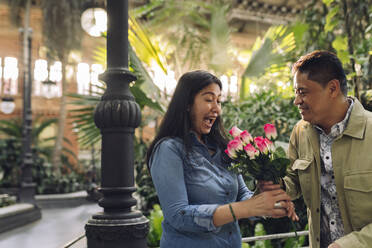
(264, 186)
(264, 205)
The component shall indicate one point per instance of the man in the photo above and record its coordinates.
(331, 155)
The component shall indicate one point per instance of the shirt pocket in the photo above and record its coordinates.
(303, 170)
(358, 194)
(197, 169)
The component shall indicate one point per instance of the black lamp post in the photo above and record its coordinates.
(117, 115)
(27, 189)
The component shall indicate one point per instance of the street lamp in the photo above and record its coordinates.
(117, 115)
(7, 105)
(94, 20)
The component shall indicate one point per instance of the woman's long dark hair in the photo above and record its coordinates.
(177, 122)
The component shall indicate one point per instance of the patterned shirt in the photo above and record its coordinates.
(331, 226)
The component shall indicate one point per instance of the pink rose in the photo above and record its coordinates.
(261, 144)
(251, 151)
(246, 137)
(230, 153)
(235, 131)
(235, 144)
(270, 144)
(270, 131)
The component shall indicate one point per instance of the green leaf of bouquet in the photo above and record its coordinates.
(279, 152)
(250, 182)
(280, 164)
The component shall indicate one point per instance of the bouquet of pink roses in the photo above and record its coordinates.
(257, 158)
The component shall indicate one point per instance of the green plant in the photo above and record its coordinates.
(345, 27)
(259, 109)
(155, 218)
(10, 161)
(50, 181)
(143, 89)
(6, 200)
(259, 230)
(145, 186)
(197, 33)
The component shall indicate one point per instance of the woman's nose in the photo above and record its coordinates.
(216, 107)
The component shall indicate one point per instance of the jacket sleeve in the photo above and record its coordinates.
(291, 180)
(243, 192)
(168, 177)
(360, 239)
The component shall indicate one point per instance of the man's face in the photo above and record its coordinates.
(312, 99)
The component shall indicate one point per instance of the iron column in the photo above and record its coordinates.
(27, 189)
(117, 115)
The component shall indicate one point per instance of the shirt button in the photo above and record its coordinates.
(317, 239)
(183, 212)
(317, 210)
(334, 198)
(333, 177)
(227, 193)
(327, 157)
(230, 232)
(332, 222)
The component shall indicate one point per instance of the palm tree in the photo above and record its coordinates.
(197, 32)
(61, 35)
(144, 90)
(271, 54)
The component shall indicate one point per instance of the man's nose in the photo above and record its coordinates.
(297, 100)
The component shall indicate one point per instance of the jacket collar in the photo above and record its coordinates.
(357, 121)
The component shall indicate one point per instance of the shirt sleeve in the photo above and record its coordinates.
(168, 177)
(243, 192)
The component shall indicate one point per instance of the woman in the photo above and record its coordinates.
(201, 199)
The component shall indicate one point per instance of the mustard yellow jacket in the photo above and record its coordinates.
(352, 165)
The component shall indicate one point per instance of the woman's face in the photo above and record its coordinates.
(205, 109)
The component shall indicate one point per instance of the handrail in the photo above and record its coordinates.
(275, 236)
(75, 242)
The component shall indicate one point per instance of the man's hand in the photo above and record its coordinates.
(334, 245)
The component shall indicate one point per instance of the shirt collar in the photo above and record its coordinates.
(207, 141)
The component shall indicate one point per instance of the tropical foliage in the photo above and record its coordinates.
(197, 34)
(261, 108)
(343, 26)
(143, 90)
(60, 35)
(59, 46)
(48, 180)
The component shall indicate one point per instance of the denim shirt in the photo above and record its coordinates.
(190, 188)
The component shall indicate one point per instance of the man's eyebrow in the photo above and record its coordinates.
(300, 88)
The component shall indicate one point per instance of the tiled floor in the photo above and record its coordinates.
(56, 228)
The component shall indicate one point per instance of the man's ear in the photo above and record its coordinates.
(334, 87)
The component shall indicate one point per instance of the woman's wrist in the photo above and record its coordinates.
(243, 209)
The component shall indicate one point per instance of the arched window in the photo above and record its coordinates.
(9, 76)
(47, 84)
(87, 79)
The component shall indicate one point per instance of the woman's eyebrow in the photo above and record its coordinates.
(211, 93)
